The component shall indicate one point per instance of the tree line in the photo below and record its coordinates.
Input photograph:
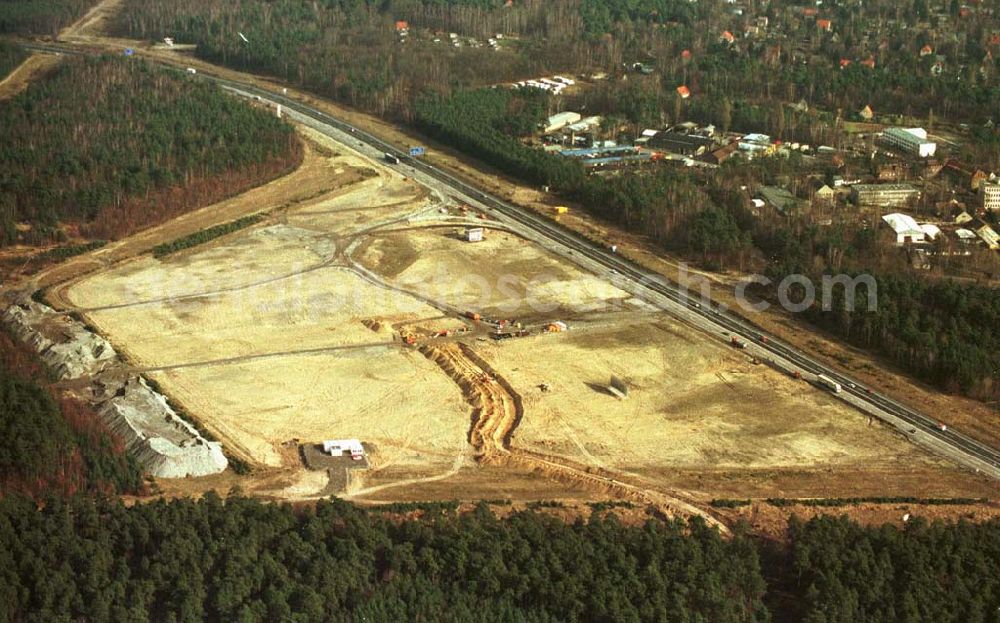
(11, 55)
(844, 573)
(206, 235)
(941, 331)
(40, 17)
(148, 144)
(241, 559)
(184, 560)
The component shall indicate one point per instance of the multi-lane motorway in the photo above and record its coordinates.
(652, 287)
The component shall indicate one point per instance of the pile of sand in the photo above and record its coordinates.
(165, 444)
(65, 345)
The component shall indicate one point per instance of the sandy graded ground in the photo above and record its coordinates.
(504, 276)
(396, 400)
(692, 402)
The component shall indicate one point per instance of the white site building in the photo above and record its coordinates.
(911, 140)
(337, 447)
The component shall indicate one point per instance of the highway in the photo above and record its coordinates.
(650, 286)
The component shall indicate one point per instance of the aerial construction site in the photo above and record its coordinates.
(467, 356)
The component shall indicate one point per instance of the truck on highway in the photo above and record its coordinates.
(828, 383)
(391, 159)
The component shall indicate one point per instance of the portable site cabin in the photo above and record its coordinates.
(337, 447)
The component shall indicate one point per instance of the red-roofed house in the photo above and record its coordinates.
(810, 11)
(869, 62)
(727, 37)
(824, 24)
(401, 25)
(686, 55)
(844, 62)
(927, 50)
(684, 92)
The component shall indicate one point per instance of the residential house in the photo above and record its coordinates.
(825, 193)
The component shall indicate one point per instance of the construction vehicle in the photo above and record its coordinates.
(828, 383)
(561, 209)
(736, 342)
(473, 315)
(557, 327)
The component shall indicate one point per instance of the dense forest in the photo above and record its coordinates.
(11, 56)
(845, 573)
(244, 560)
(145, 145)
(52, 443)
(239, 559)
(40, 17)
(348, 49)
(943, 332)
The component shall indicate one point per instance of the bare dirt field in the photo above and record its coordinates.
(504, 276)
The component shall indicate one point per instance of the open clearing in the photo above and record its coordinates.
(294, 330)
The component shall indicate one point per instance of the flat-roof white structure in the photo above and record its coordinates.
(911, 140)
(337, 447)
(905, 227)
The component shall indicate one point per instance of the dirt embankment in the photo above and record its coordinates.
(495, 405)
(164, 444)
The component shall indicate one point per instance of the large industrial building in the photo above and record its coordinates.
(911, 140)
(886, 195)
